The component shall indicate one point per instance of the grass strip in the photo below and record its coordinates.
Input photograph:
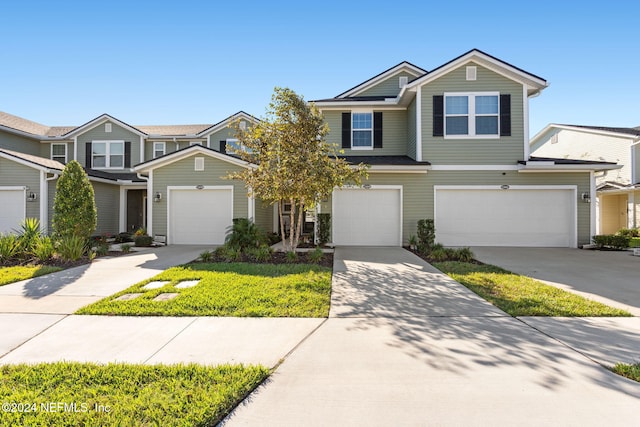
(229, 289)
(17, 273)
(523, 296)
(86, 394)
(629, 371)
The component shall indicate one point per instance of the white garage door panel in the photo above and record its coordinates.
(511, 217)
(12, 211)
(200, 216)
(367, 217)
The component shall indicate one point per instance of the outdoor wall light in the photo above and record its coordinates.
(586, 197)
(32, 197)
(158, 197)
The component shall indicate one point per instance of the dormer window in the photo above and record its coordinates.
(471, 115)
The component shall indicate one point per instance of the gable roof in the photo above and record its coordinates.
(39, 162)
(98, 121)
(225, 122)
(619, 132)
(186, 152)
(403, 66)
(627, 131)
(173, 130)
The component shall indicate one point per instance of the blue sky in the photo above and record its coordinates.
(190, 62)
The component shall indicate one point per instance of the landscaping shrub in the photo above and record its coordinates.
(9, 247)
(324, 228)
(123, 238)
(74, 206)
(292, 256)
(231, 254)
(426, 235)
(612, 241)
(206, 256)
(261, 254)
(244, 233)
(315, 255)
(464, 255)
(125, 248)
(43, 248)
(634, 242)
(143, 240)
(629, 232)
(71, 247)
(29, 232)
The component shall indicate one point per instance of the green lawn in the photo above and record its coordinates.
(629, 371)
(521, 295)
(122, 394)
(230, 289)
(15, 274)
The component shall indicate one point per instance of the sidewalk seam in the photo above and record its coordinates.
(36, 335)
(169, 341)
(295, 347)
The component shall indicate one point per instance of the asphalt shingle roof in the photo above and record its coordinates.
(628, 131)
(40, 161)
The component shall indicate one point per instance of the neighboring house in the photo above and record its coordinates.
(618, 191)
(450, 144)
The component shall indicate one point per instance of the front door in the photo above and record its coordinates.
(135, 209)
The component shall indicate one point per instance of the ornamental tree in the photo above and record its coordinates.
(74, 206)
(293, 162)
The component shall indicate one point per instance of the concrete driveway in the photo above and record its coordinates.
(606, 276)
(405, 345)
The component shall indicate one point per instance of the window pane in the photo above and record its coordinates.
(116, 148)
(362, 120)
(99, 148)
(99, 161)
(486, 105)
(361, 138)
(457, 105)
(233, 146)
(58, 150)
(457, 126)
(487, 125)
(116, 161)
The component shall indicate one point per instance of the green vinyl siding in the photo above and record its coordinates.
(411, 130)
(389, 87)
(18, 143)
(221, 135)
(581, 179)
(264, 216)
(181, 173)
(13, 174)
(107, 198)
(45, 150)
(501, 150)
(117, 134)
(394, 133)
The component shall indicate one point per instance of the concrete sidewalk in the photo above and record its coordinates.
(407, 346)
(66, 291)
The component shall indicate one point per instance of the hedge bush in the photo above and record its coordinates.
(612, 241)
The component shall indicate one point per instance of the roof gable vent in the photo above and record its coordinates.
(472, 73)
(402, 82)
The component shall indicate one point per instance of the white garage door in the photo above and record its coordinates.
(511, 217)
(199, 216)
(12, 209)
(367, 217)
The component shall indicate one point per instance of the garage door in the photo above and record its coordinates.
(13, 209)
(199, 216)
(367, 217)
(506, 217)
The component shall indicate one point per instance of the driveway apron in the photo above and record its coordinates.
(406, 345)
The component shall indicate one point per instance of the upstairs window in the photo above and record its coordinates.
(471, 115)
(107, 155)
(159, 149)
(362, 131)
(59, 153)
(233, 146)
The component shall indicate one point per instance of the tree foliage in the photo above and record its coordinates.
(74, 206)
(292, 161)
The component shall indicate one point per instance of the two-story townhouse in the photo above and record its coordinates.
(452, 144)
(32, 157)
(449, 144)
(618, 190)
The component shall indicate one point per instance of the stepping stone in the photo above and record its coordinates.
(127, 297)
(187, 284)
(165, 296)
(154, 285)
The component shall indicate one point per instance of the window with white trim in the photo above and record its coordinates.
(59, 153)
(107, 155)
(233, 146)
(159, 149)
(472, 115)
(362, 131)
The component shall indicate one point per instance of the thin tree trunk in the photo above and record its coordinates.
(280, 215)
(292, 223)
(299, 222)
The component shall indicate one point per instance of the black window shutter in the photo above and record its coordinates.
(346, 130)
(377, 130)
(223, 146)
(127, 154)
(438, 115)
(505, 115)
(87, 156)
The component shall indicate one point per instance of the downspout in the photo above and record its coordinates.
(44, 200)
(149, 203)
